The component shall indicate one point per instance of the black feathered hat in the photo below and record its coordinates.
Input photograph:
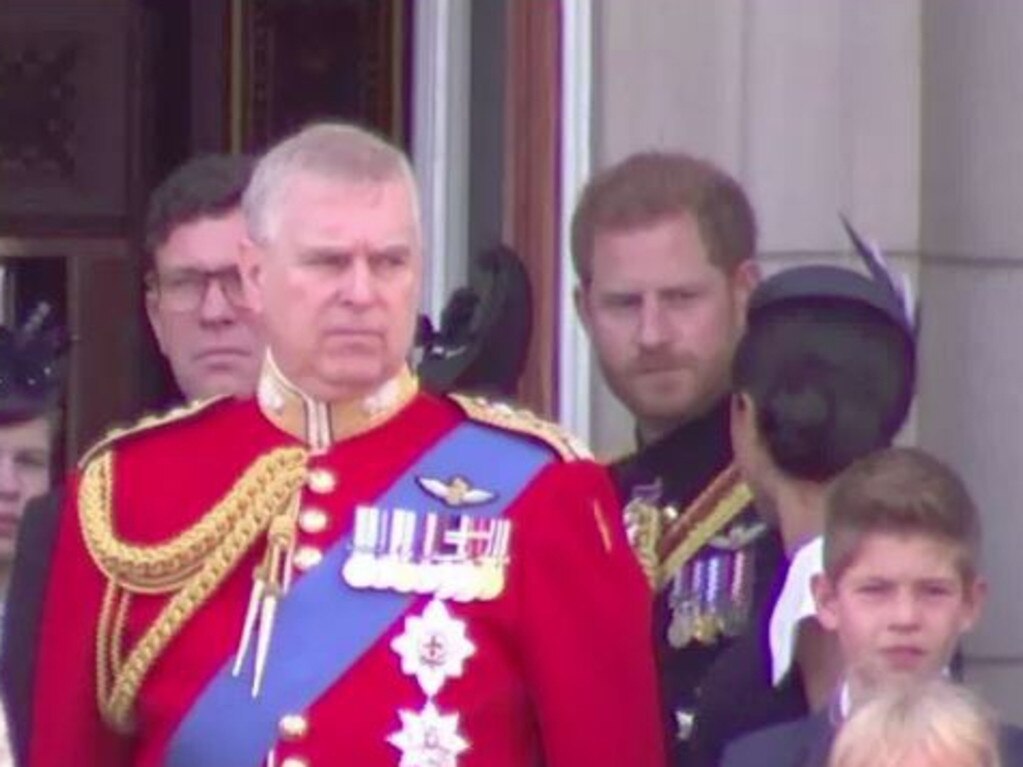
(33, 365)
(485, 330)
(829, 294)
(881, 290)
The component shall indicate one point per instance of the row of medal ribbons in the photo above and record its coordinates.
(463, 557)
(710, 597)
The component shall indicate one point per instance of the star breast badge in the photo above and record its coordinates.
(433, 647)
(428, 738)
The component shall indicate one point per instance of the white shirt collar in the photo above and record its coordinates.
(795, 603)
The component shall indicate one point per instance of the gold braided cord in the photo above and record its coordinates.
(163, 567)
(677, 526)
(265, 490)
(117, 635)
(727, 509)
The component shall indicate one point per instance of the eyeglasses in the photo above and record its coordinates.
(185, 290)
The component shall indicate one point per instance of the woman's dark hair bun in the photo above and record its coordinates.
(831, 382)
(814, 425)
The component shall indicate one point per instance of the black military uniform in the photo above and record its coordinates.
(715, 560)
(736, 696)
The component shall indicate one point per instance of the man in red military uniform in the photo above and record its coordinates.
(345, 569)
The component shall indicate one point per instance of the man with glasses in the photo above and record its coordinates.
(194, 229)
(194, 299)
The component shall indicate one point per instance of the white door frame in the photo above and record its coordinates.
(574, 357)
(440, 142)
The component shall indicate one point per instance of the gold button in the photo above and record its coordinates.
(307, 557)
(321, 481)
(295, 761)
(312, 520)
(293, 727)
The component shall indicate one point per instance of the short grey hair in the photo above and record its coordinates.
(329, 150)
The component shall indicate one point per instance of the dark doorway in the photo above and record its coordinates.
(101, 99)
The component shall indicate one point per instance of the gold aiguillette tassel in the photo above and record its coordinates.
(269, 583)
(267, 612)
(255, 598)
(281, 541)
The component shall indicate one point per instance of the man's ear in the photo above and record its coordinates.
(748, 274)
(582, 307)
(745, 279)
(251, 258)
(975, 597)
(824, 594)
(155, 319)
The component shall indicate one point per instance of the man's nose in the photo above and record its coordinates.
(652, 331)
(215, 306)
(9, 482)
(359, 285)
(906, 610)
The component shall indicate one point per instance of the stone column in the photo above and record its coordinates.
(971, 395)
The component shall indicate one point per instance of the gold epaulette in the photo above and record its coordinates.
(644, 522)
(189, 567)
(146, 422)
(522, 421)
(720, 503)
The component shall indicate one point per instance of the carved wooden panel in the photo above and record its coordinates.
(312, 59)
(63, 136)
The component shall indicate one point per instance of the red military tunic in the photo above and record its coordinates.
(562, 669)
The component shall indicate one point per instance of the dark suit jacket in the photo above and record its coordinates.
(802, 743)
(23, 615)
(682, 464)
(806, 743)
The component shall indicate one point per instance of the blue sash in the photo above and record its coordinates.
(226, 726)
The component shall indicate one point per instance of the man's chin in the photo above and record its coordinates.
(673, 408)
(357, 375)
(224, 382)
(352, 346)
(906, 673)
(660, 397)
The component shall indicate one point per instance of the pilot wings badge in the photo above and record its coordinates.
(455, 492)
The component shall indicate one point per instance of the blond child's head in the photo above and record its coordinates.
(932, 724)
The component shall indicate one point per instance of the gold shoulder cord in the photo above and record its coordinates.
(705, 518)
(192, 564)
(520, 420)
